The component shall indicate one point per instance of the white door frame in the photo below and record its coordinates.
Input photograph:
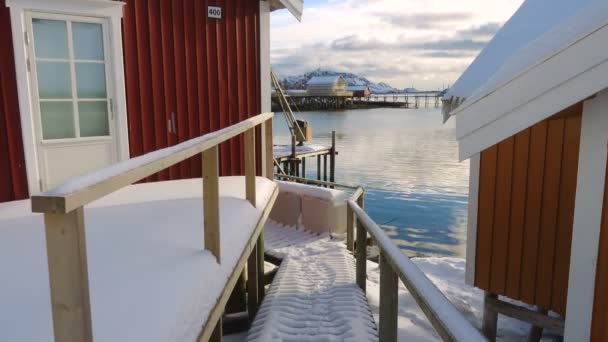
(106, 9)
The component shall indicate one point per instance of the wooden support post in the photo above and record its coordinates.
(68, 276)
(216, 335)
(361, 255)
(325, 168)
(389, 301)
(249, 143)
(332, 158)
(303, 167)
(260, 266)
(536, 332)
(350, 229)
(294, 166)
(318, 167)
(268, 146)
(252, 283)
(490, 317)
(211, 201)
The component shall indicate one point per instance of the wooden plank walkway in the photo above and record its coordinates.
(314, 296)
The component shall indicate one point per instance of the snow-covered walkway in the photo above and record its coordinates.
(313, 296)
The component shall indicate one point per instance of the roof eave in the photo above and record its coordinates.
(295, 7)
(566, 78)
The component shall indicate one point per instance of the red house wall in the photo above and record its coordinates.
(206, 71)
(13, 180)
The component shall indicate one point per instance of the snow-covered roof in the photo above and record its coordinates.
(534, 64)
(295, 7)
(357, 88)
(320, 80)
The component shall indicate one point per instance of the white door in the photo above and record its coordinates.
(75, 127)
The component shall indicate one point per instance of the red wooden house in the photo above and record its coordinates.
(84, 84)
(532, 116)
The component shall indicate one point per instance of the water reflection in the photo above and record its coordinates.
(408, 162)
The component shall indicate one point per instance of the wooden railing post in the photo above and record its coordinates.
(249, 146)
(350, 229)
(361, 255)
(389, 301)
(68, 276)
(211, 201)
(268, 146)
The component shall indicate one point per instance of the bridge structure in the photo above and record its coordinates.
(304, 101)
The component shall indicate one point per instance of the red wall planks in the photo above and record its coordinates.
(527, 188)
(13, 180)
(206, 71)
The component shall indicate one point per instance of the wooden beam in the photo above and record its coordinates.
(350, 230)
(490, 317)
(252, 283)
(268, 146)
(332, 158)
(86, 189)
(389, 301)
(361, 256)
(260, 260)
(538, 319)
(68, 276)
(211, 201)
(249, 146)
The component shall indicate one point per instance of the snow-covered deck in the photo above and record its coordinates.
(150, 278)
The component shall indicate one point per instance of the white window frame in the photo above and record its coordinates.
(111, 12)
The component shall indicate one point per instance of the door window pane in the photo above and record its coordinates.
(93, 117)
(50, 38)
(90, 80)
(57, 120)
(54, 80)
(88, 41)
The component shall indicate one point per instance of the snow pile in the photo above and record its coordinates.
(448, 275)
(281, 240)
(150, 278)
(313, 191)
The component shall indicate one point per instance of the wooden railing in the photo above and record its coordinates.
(449, 323)
(63, 209)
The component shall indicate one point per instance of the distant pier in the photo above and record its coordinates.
(423, 99)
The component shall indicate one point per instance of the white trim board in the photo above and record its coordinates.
(570, 76)
(110, 10)
(265, 90)
(472, 219)
(587, 218)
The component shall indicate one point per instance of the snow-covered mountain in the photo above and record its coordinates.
(299, 82)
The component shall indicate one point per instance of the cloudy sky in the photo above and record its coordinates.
(424, 43)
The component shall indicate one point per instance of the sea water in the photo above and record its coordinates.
(407, 160)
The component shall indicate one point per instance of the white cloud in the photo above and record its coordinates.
(425, 43)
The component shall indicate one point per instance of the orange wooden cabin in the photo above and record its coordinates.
(532, 116)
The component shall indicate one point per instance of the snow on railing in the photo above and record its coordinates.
(63, 209)
(449, 323)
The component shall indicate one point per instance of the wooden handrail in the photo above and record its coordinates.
(83, 190)
(449, 323)
(64, 221)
